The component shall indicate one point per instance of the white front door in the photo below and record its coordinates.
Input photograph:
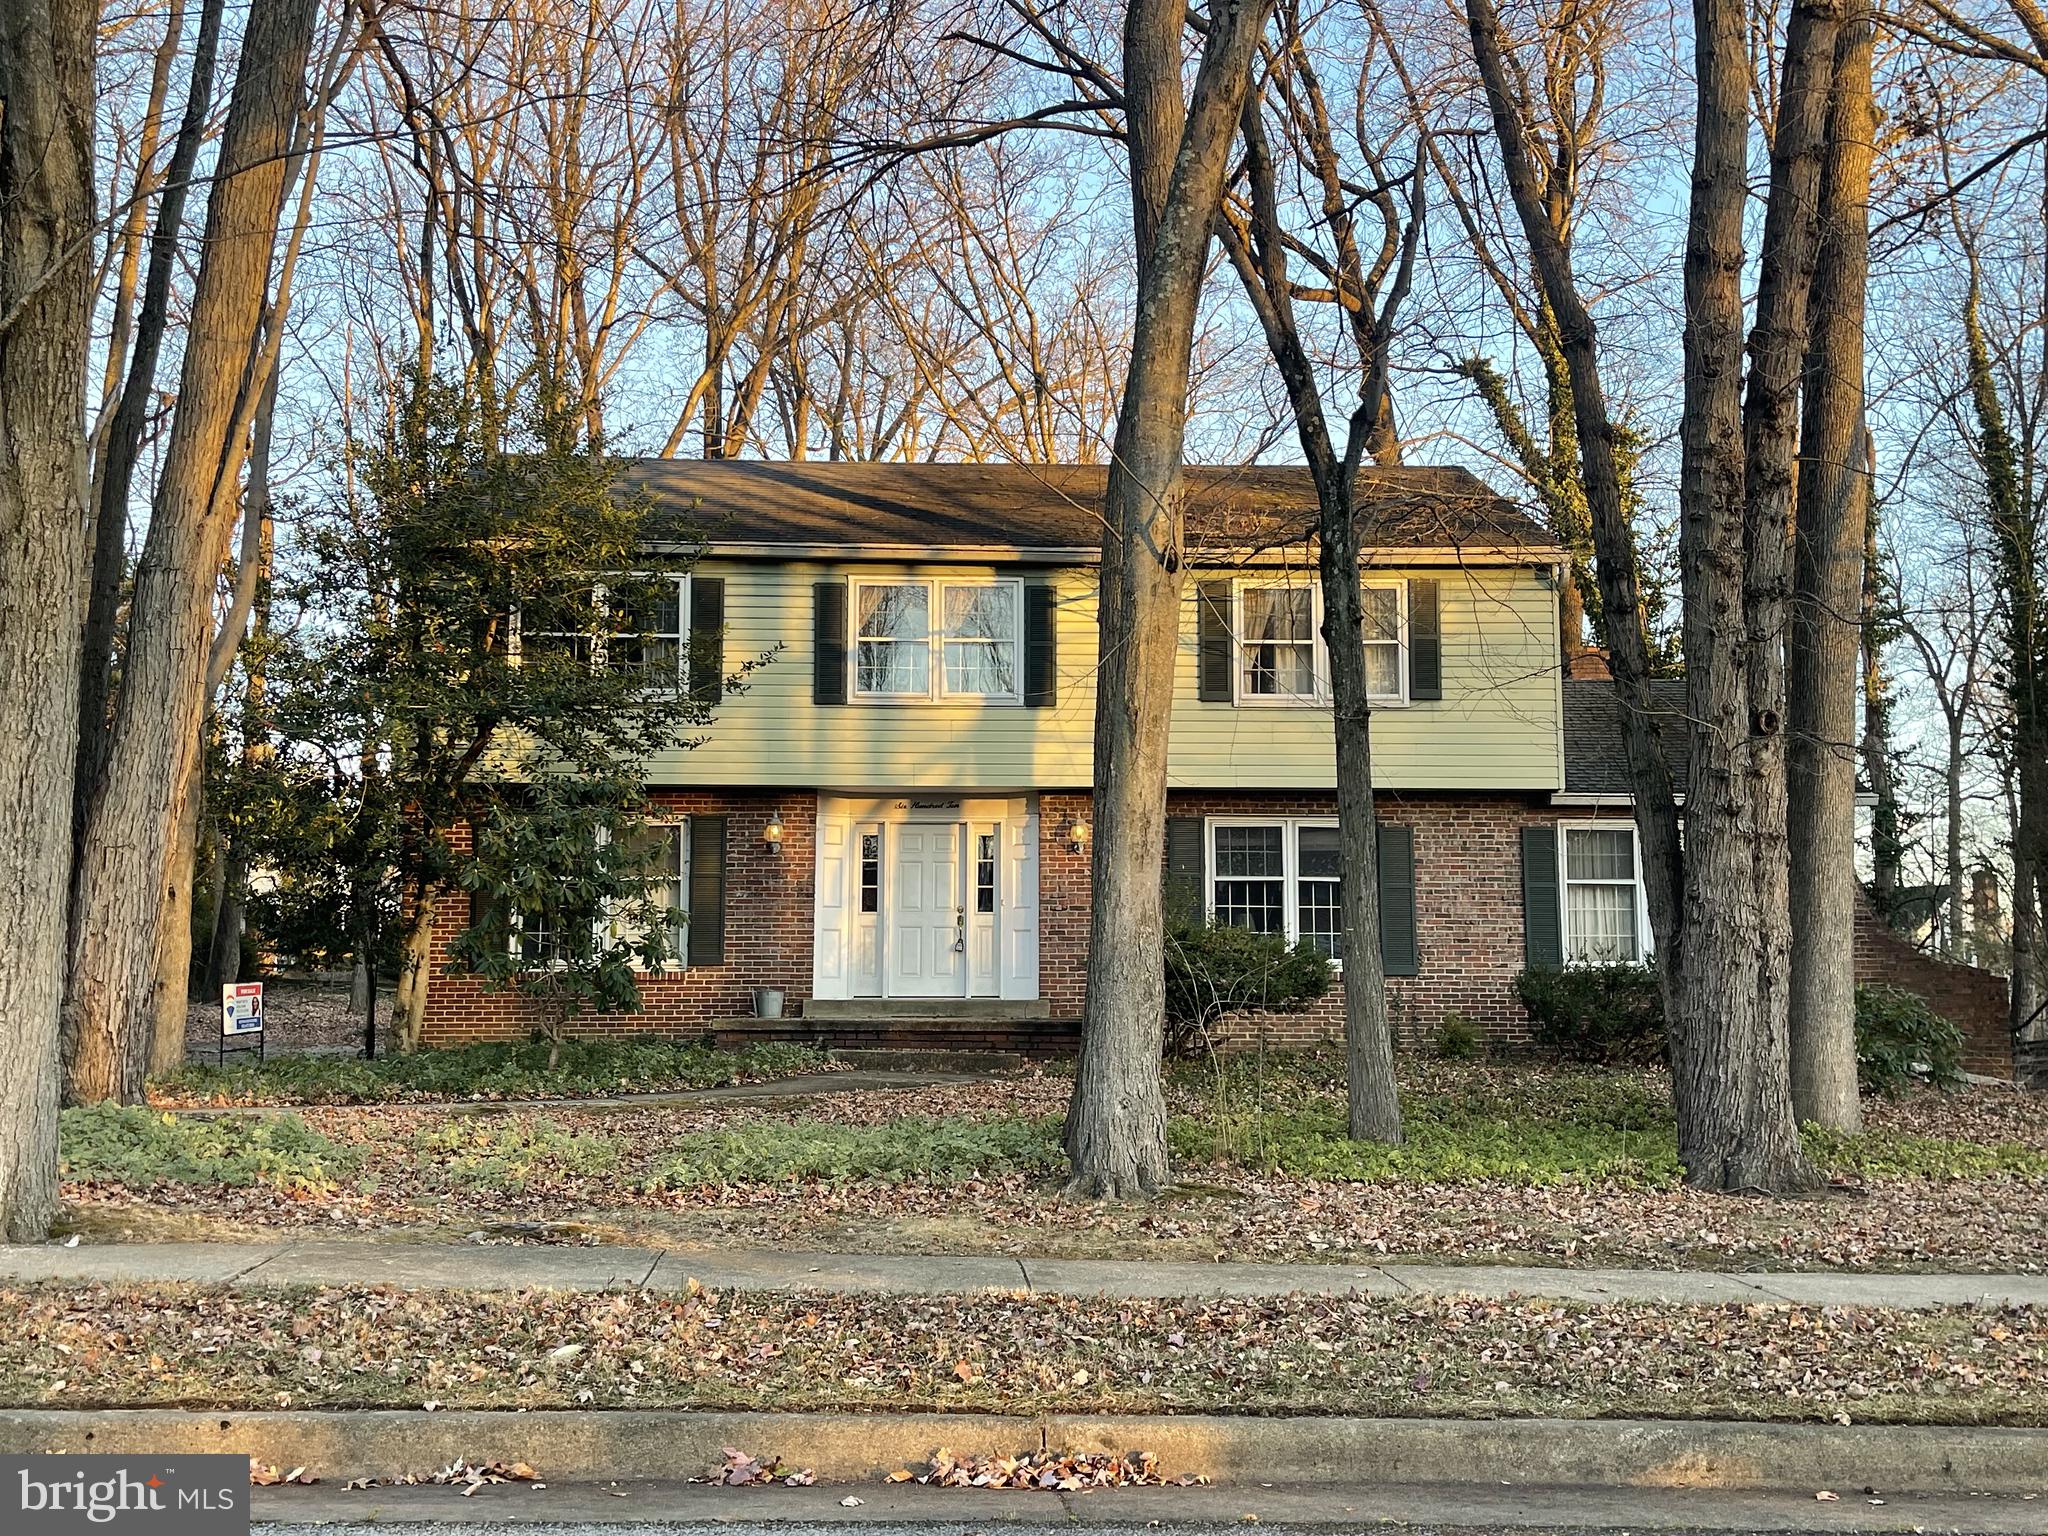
(926, 913)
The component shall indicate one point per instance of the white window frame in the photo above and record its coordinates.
(1290, 865)
(680, 934)
(1645, 940)
(516, 649)
(1319, 698)
(605, 930)
(936, 588)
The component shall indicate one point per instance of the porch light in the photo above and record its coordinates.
(772, 833)
(1078, 835)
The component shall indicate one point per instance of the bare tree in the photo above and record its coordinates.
(1365, 274)
(1833, 507)
(46, 223)
(129, 858)
(1180, 151)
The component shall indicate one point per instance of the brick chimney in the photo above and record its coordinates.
(1587, 662)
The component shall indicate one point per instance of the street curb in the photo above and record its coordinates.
(573, 1446)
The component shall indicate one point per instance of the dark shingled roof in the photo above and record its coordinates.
(1595, 753)
(1057, 506)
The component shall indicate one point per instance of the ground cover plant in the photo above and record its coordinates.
(585, 1069)
(355, 1348)
(1504, 1163)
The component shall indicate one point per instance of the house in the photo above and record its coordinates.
(889, 823)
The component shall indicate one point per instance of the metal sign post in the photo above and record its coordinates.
(241, 1017)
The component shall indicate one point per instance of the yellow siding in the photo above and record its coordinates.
(1497, 726)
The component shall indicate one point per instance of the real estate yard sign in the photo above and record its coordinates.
(241, 1014)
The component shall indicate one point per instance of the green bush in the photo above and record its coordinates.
(587, 1069)
(141, 1148)
(1457, 1038)
(772, 1151)
(1214, 972)
(1596, 1014)
(1901, 1041)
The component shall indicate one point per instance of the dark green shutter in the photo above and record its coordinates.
(828, 642)
(707, 890)
(707, 638)
(1184, 898)
(1215, 650)
(1041, 645)
(1542, 916)
(1425, 641)
(1399, 955)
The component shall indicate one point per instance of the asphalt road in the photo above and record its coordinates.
(644, 1509)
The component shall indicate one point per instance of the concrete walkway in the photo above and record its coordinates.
(484, 1267)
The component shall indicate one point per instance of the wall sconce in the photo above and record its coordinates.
(1078, 835)
(772, 833)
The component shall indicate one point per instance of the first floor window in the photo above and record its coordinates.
(985, 872)
(1278, 877)
(871, 871)
(659, 853)
(1250, 878)
(1603, 896)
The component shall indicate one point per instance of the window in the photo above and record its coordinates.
(871, 871)
(1604, 919)
(1385, 676)
(649, 644)
(892, 640)
(1277, 642)
(981, 640)
(1281, 657)
(1315, 889)
(985, 872)
(660, 852)
(1277, 877)
(645, 641)
(974, 650)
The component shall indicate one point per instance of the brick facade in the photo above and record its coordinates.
(1468, 911)
(768, 924)
(1976, 1001)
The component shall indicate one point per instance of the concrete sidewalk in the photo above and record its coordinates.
(480, 1267)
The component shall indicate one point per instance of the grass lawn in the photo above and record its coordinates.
(587, 1069)
(346, 1348)
(1501, 1163)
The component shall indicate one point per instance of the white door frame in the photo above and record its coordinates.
(851, 948)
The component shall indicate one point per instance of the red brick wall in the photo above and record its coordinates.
(1975, 1001)
(768, 924)
(1468, 898)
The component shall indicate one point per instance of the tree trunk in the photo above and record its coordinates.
(170, 989)
(1616, 566)
(114, 475)
(1952, 838)
(415, 970)
(46, 224)
(1887, 844)
(1116, 1123)
(127, 857)
(1833, 508)
(1729, 1058)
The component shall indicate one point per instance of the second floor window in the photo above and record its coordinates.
(1281, 658)
(642, 638)
(974, 650)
